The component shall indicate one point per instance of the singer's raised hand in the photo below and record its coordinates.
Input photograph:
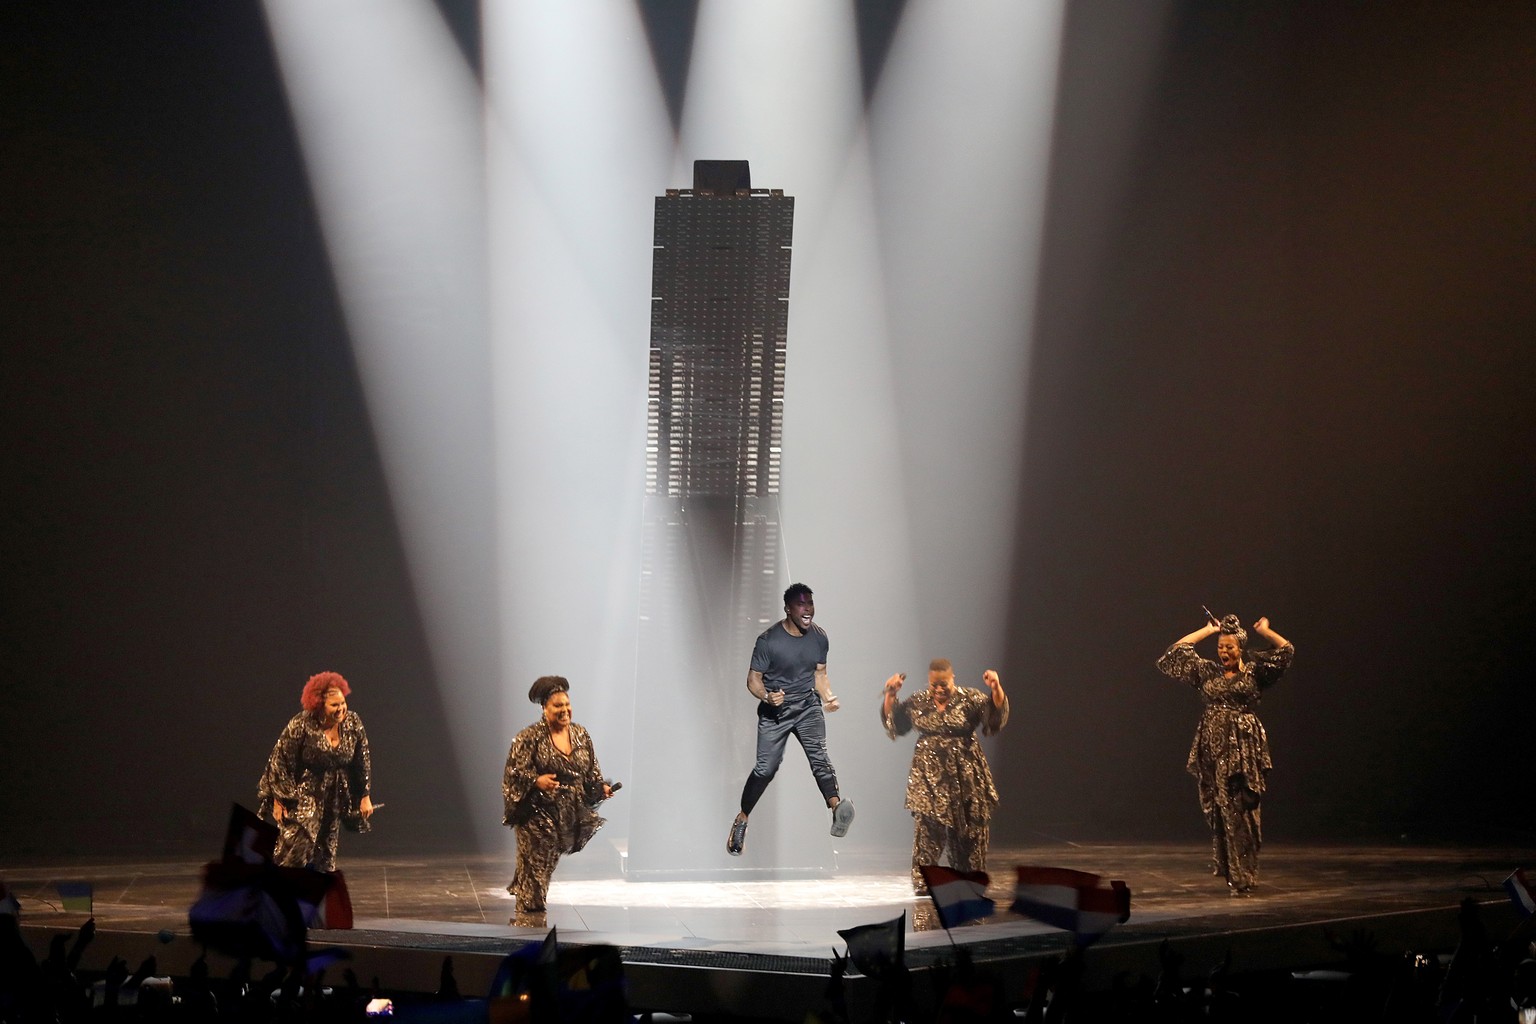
(890, 691)
(1265, 630)
(995, 684)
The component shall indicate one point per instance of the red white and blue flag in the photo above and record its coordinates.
(1521, 893)
(1075, 901)
(249, 907)
(959, 896)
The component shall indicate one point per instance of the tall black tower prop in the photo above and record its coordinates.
(714, 566)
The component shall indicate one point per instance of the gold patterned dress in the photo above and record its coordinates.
(950, 791)
(319, 786)
(1229, 757)
(548, 824)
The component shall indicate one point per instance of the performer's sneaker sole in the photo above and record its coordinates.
(842, 817)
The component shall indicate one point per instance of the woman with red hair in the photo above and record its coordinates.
(317, 777)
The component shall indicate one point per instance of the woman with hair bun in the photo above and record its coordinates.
(1230, 755)
(318, 776)
(551, 787)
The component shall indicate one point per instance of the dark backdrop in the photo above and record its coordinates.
(195, 516)
(1283, 366)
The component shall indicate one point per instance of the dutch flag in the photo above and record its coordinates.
(1074, 901)
(959, 896)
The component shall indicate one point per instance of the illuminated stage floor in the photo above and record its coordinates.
(762, 948)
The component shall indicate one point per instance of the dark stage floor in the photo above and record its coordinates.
(762, 948)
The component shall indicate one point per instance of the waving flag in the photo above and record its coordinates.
(249, 907)
(76, 897)
(1520, 893)
(248, 838)
(877, 948)
(1074, 901)
(257, 910)
(959, 896)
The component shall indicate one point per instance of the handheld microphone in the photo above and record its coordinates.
(1213, 620)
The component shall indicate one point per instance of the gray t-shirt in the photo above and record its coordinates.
(789, 662)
